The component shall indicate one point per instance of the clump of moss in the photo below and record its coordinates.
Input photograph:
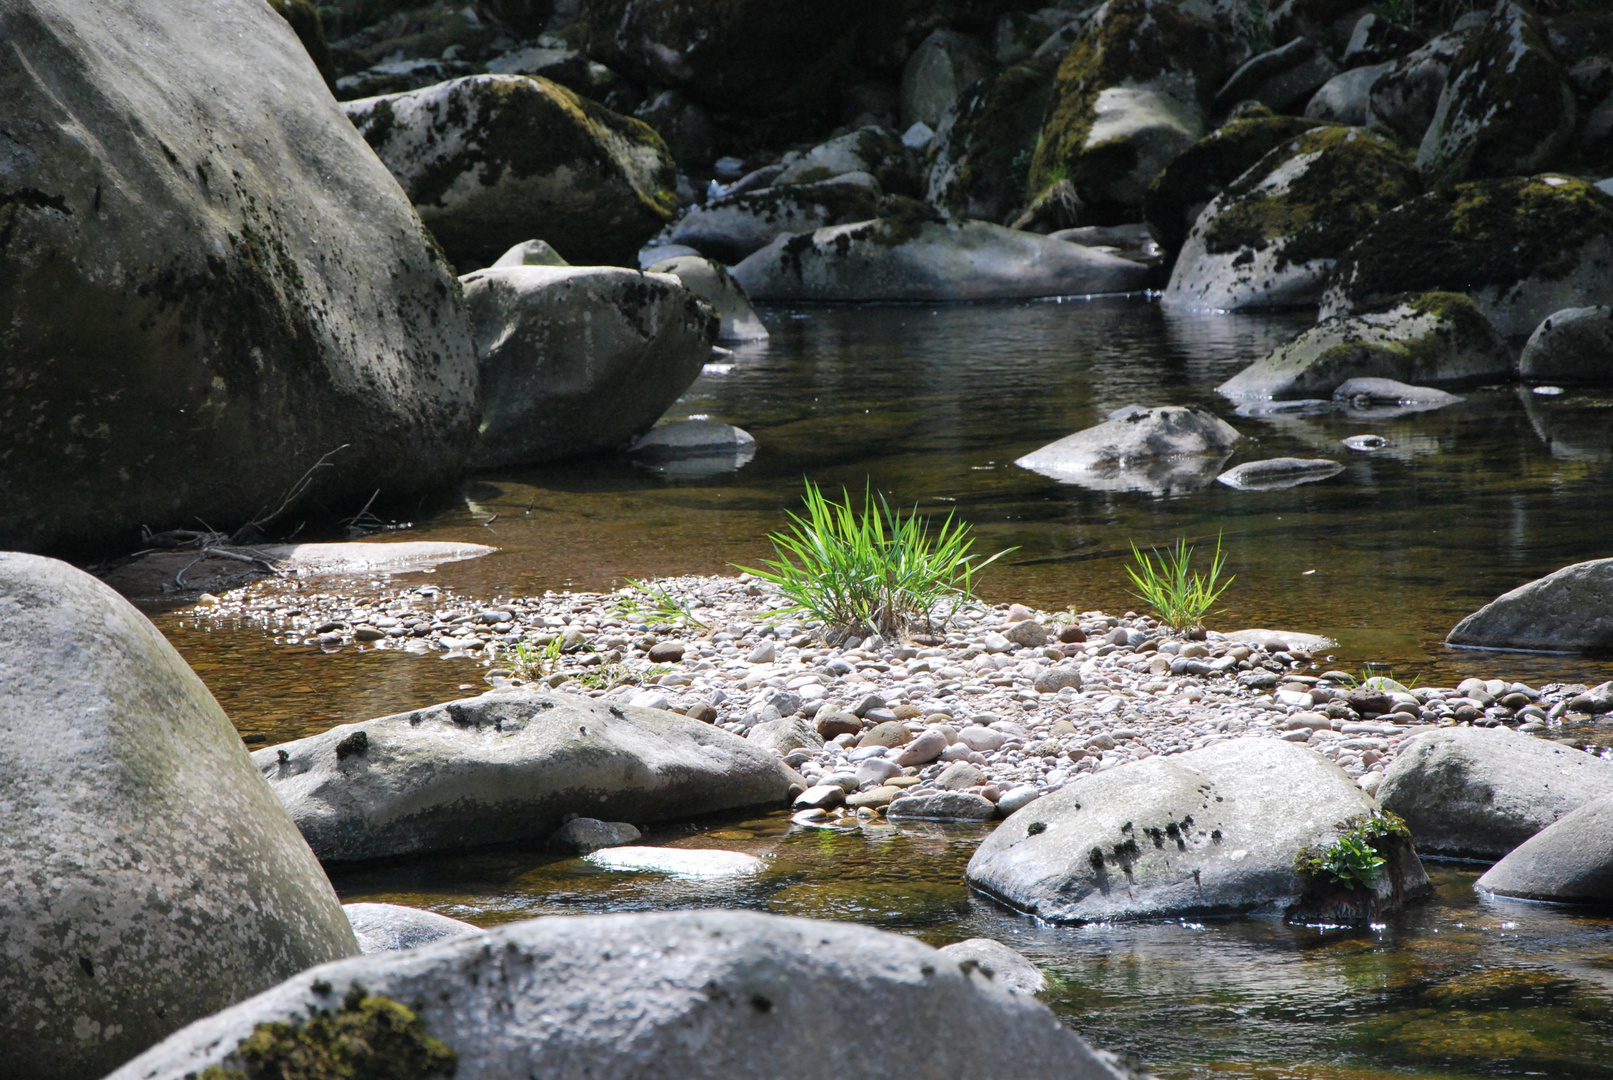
(1355, 177)
(994, 141)
(1358, 856)
(368, 1038)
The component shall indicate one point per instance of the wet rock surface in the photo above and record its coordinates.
(1566, 863)
(1149, 449)
(390, 927)
(1569, 610)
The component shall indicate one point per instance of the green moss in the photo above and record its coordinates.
(1354, 179)
(814, 174)
(368, 1038)
(994, 139)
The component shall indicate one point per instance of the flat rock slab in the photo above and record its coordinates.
(1206, 833)
(1570, 862)
(1569, 610)
(697, 995)
(1275, 473)
(682, 862)
(1480, 792)
(390, 927)
(508, 766)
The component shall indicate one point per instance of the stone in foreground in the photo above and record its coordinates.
(1160, 450)
(1478, 793)
(942, 806)
(1212, 832)
(677, 996)
(1569, 862)
(508, 765)
(391, 927)
(1569, 610)
(150, 877)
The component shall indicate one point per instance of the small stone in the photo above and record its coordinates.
(763, 653)
(943, 806)
(867, 704)
(666, 652)
(960, 776)
(1028, 633)
(926, 748)
(838, 723)
(890, 733)
(650, 699)
(368, 633)
(820, 797)
(1072, 634)
(1054, 679)
(1018, 613)
(877, 770)
(985, 740)
(873, 797)
(583, 835)
(702, 711)
(1017, 799)
(996, 643)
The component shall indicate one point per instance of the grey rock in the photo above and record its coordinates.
(1209, 832)
(924, 749)
(764, 653)
(1289, 640)
(870, 151)
(1017, 799)
(1569, 862)
(170, 202)
(820, 796)
(595, 185)
(877, 770)
(942, 806)
(1052, 680)
(1274, 473)
(1573, 347)
(997, 962)
(1371, 391)
(582, 835)
(983, 739)
(1478, 793)
(730, 227)
(959, 776)
(1568, 610)
(531, 253)
(576, 360)
(1279, 78)
(390, 927)
(712, 282)
(893, 259)
(1157, 450)
(680, 862)
(690, 995)
(1596, 700)
(1028, 633)
(1405, 98)
(682, 444)
(506, 766)
(151, 878)
(785, 735)
(1346, 98)
(941, 68)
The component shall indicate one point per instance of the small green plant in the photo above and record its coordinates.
(607, 676)
(874, 571)
(655, 604)
(1178, 598)
(531, 663)
(1357, 856)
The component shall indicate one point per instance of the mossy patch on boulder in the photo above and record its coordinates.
(985, 145)
(368, 1037)
(1522, 248)
(1272, 236)
(1129, 95)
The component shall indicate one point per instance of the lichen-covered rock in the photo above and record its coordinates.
(1198, 174)
(688, 995)
(943, 65)
(1573, 347)
(1506, 107)
(876, 151)
(1568, 610)
(1568, 862)
(1129, 96)
(730, 227)
(1432, 338)
(195, 311)
(148, 875)
(490, 160)
(1160, 450)
(1272, 237)
(1405, 97)
(1521, 248)
(1346, 98)
(915, 259)
(1282, 78)
(711, 282)
(983, 147)
(508, 765)
(579, 359)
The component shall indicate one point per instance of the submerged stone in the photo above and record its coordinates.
(1276, 473)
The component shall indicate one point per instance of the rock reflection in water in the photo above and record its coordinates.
(1578, 427)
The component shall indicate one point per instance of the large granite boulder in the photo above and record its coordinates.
(576, 360)
(1480, 792)
(1129, 96)
(984, 144)
(148, 876)
(508, 766)
(1522, 248)
(730, 227)
(1160, 451)
(693, 995)
(1568, 862)
(1211, 832)
(195, 311)
(917, 259)
(1405, 98)
(390, 927)
(1432, 338)
(1272, 237)
(490, 160)
(1568, 610)
(710, 281)
(1506, 108)
(1573, 347)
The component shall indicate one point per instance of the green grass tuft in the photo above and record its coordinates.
(1179, 598)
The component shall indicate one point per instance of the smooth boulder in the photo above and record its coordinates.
(997, 962)
(730, 227)
(489, 160)
(1568, 610)
(508, 765)
(390, 927)
(1156, 450)
(898, 259)
(579, 359)
(1211, 832)
(1274, 473)
(870, 151)
(1573, 347)
(531, 253)
(1432, 338)
(1568, 862)
(1282, 78)
(1346, 98)
(150, 876)
(693, 995)
(209, 283)
(711, 282)
(1477, 793)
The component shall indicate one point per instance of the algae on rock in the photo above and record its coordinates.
(368, 1037)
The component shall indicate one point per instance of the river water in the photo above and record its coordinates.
(931, 406)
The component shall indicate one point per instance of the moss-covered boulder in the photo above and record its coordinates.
(1404, 98)
(208, 283)
(1521, 248)
(1433, 338)
(1506, 108)
(1129, 96)
(984, 146)
(731, 227)
(491, 160)
(1271, 238)
(1179, 195)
